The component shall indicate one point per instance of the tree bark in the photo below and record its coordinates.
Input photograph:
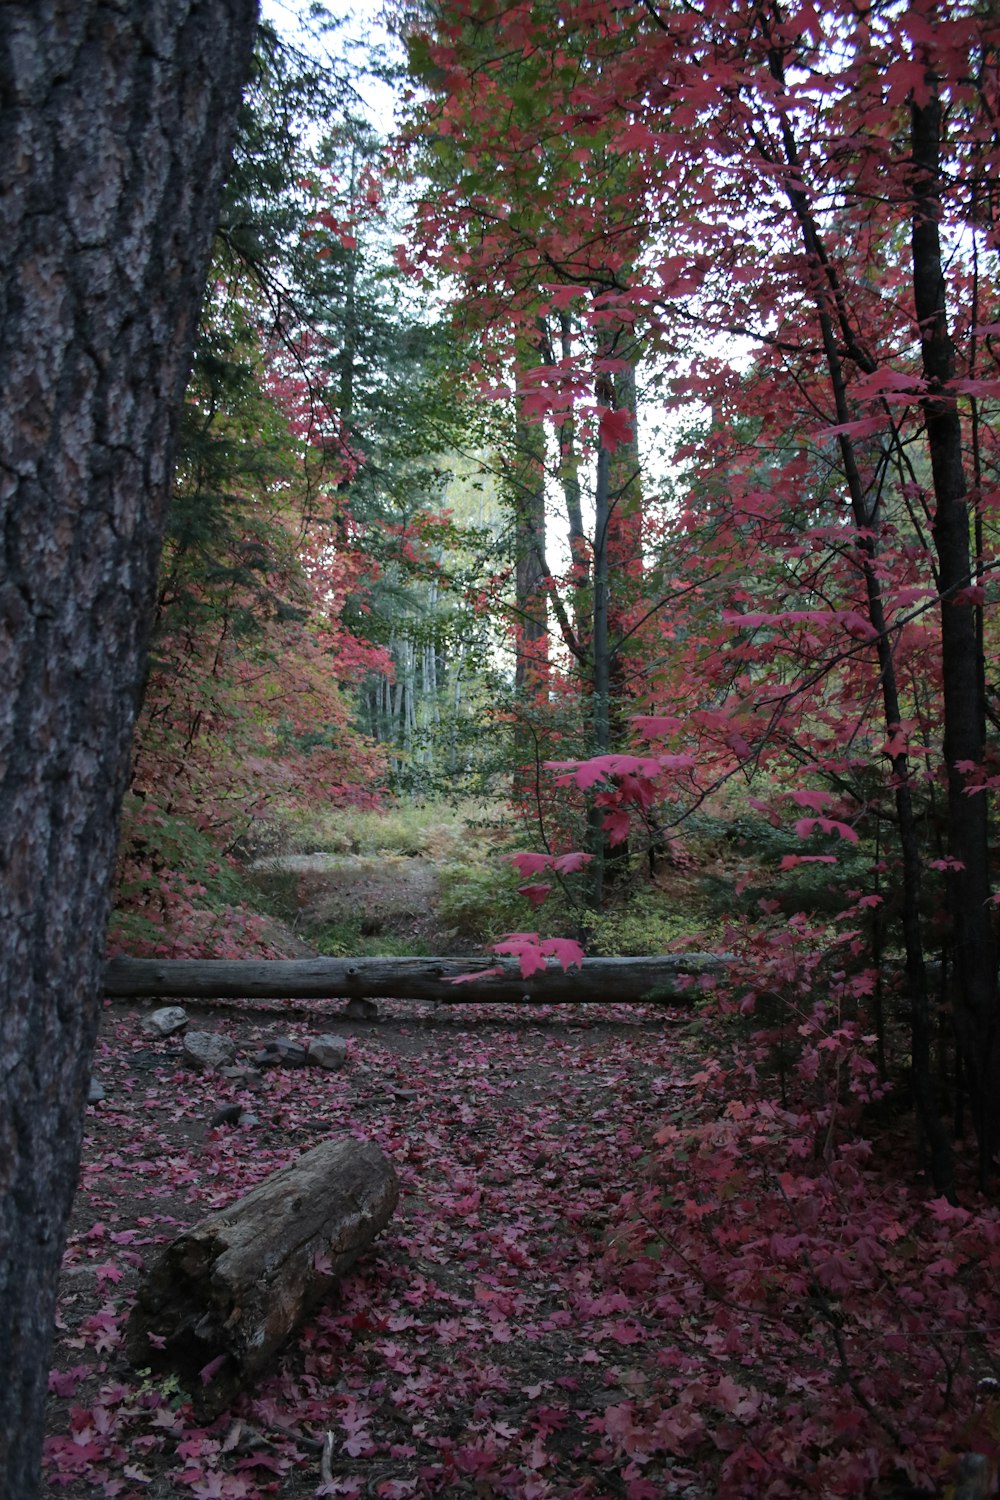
(599, 980)
(527, 488)
(969, 886)
(230, 1291)
(115, 124)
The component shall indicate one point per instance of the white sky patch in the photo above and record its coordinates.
(358, 38)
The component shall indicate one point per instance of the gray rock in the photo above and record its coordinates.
(328, 1052)
(165, 1021)
(207, 1050)
(95, 1092)
(229, 1114)
(241, 1073)
(281, 1051)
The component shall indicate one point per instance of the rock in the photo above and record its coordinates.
(248, 1120)
(361, 1010)
(208, 1050)
(165, 1021)
(328, 1052)
(229, 1114)
(241, 1073)
(95, 1092)
(281, 1051)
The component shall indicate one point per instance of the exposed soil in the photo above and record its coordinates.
(391, 895)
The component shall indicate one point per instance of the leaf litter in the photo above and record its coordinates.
(586, 1290)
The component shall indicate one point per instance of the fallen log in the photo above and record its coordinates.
(226, 1294)
(599, 980)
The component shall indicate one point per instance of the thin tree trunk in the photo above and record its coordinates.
(969, 887)
(827, 296)
(625, 532)
(528, 495)
(115, 123)
(526, 487)
(600, 658)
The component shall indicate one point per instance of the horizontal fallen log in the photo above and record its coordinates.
(225, 1295)
(599, 980)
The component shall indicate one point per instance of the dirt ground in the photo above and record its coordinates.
(476, 1349)
(383, 894)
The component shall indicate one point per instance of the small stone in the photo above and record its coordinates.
(241, 1073)
(207, 1050)
(247, 1120)
(361, 1010)
(165, 1021)
(229, 1114)
(95, 1092)
(281, 1051)
(328, 1052)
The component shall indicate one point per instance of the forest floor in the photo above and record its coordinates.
(481, 1348)
(522, 1328)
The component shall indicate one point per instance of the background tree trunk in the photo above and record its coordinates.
(527, 486)
(970, 891)
(115, 124)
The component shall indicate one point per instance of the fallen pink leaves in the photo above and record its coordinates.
(612, 1273)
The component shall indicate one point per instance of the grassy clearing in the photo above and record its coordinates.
(435, 830)
(419, 878)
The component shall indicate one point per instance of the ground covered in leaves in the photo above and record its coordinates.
(592, 1286)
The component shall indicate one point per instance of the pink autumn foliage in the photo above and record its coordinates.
(533, 952)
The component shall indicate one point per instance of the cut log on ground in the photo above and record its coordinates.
(225, 1295)
(599, 980)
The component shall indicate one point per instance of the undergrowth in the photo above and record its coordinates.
(178, 895)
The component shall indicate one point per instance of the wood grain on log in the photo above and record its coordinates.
(230, 1291)
(598, 980)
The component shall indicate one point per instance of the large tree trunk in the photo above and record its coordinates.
(229, 1292)
(115, 124)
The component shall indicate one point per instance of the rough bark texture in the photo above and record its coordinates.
(234, 1288)
(115, 124)
(600, 980)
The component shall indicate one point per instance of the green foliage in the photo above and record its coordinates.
(480, 902)
(175, 894)
(647, 924)
(435, 829)
(156, 842)
(347, 939)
